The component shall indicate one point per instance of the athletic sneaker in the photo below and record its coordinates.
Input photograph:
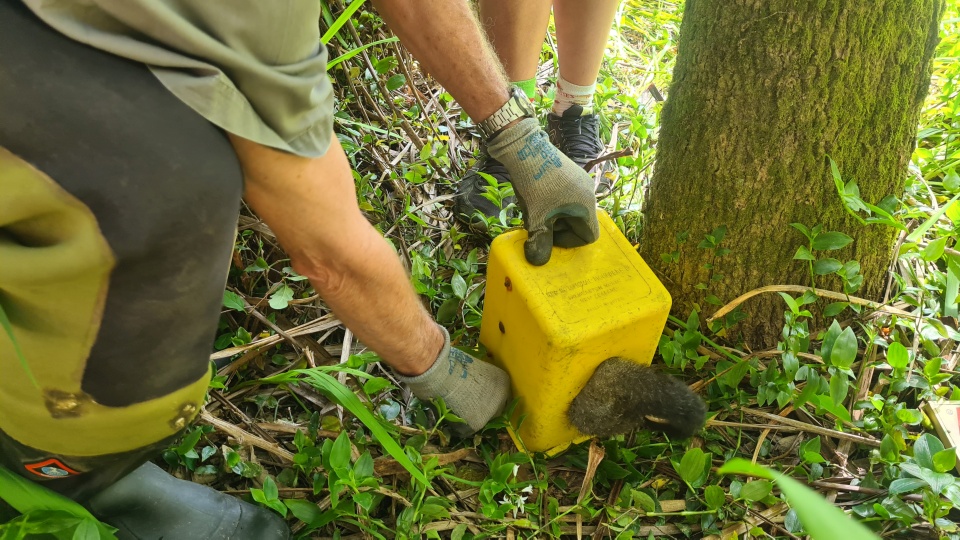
(578, 136)
(469, 199)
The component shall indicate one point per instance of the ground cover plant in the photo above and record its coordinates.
(303, 420)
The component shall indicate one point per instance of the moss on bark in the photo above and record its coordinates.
(762, 93)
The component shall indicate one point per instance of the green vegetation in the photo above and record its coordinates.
(313, 428)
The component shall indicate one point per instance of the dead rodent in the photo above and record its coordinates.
(623, 395)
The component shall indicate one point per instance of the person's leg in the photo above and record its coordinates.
(118, 208)
(582, 32)
(583, 29)
(516, 31)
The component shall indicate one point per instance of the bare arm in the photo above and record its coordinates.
(311, 205)
(453, 49)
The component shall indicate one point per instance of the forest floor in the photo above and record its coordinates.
(863, 442)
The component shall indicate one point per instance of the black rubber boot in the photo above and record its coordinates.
(149, 504)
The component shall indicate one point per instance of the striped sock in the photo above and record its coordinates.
(569, 94)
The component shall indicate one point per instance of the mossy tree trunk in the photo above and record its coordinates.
(762, 93)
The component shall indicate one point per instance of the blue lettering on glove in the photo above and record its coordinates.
(538, 145)
(458, 357)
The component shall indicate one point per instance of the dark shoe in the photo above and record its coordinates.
(469, 199)
(149, 504)
(578, 136)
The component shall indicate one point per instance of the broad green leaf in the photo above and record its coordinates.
(826, 403)
(458, 532)
(281, 298)
(923, 450)
(459, 285)
(715, 497)
(888, 448)
(756, 490)
(951, 180)
(643, 501)
(270, 489)
(844, 350)
(826, 266)
(396, 82)
(233, 300)
(303, 509)
(936, 481)
(835, 308)
(803, 254)
(692, 467)
(905, 485)
(831, 241)
(791, 303)
(910, 416)
(932, 368)
(934, 250)
(838, 388)
(945, 460)
(448, 310)
(897, 355)
(829, 339)
(340, 453)
(802, 228)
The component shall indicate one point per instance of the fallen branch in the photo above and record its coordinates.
(245, 438)
(823, 293)
(803, 426)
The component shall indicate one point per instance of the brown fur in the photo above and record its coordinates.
(622, 396)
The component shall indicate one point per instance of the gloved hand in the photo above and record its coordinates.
(474, 390)
(555, 194)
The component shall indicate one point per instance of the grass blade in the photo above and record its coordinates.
(353, 52)
(25, 497)
(320, 379)
(341, 20)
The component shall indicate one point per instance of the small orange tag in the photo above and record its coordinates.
(51, 468)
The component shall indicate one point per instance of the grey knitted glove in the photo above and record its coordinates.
(555, 194)
(475, 390)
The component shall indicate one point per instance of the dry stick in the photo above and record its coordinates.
(803, 426)
(317, 325)
(260, 317)
(386, 94)
(402, 57)
(594, 458)
(608, 157)
(799, 289)
(245, 438)
(861, 489)
(764, 433)
(243, 417)
(741, 425)
(734, 531)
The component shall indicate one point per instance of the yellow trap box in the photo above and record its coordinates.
(550, 326)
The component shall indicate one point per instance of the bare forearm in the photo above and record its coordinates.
(310, 204)
(452, 48)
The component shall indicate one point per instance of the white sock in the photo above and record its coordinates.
(569, 94)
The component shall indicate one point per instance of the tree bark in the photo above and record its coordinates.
(762, 93)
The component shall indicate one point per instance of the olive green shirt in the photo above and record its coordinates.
(255, 68)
